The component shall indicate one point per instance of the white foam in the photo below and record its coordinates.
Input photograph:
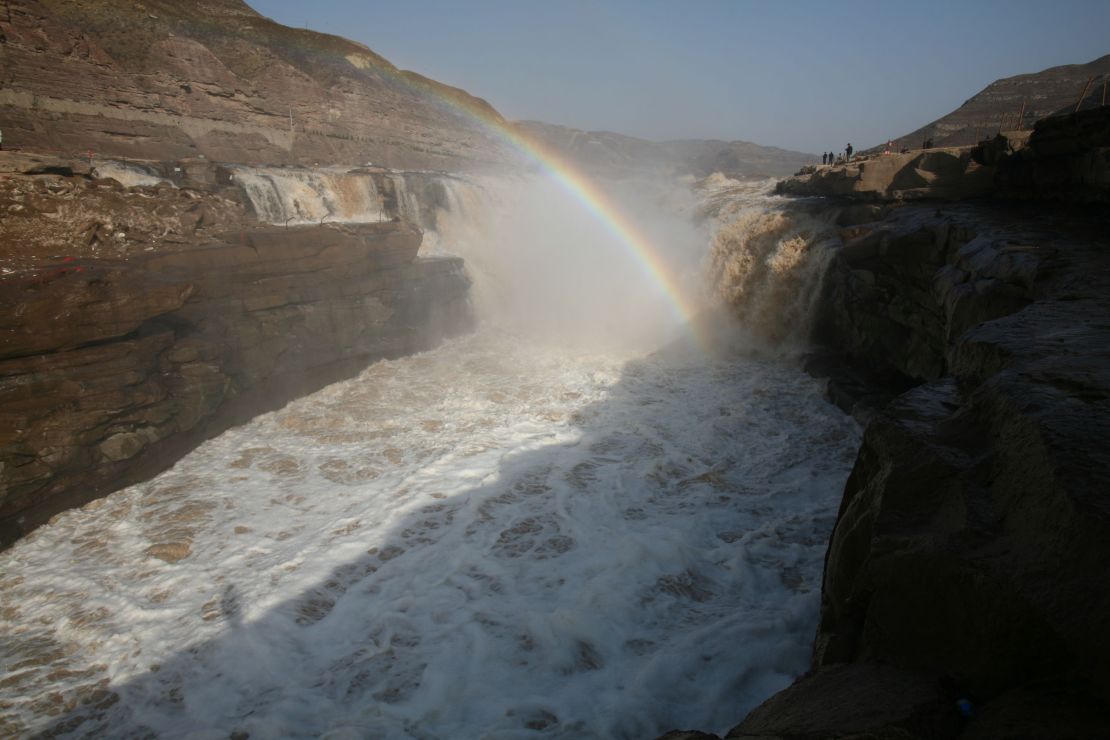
(130, 174)
(306, 196)
(465, 543)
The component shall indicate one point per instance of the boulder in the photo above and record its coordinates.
(1068, 158)
(858, 700)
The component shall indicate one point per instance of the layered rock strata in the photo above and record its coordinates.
(112, 368)
(166, 80)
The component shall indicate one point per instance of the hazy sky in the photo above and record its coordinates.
(800, 75)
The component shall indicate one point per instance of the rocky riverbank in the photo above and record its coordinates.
(963, 594)
(174, 314)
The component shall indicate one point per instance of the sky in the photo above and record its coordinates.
(801, 75)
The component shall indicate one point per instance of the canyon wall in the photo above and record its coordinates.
(963, 594)
(110, 369)
(165, 80)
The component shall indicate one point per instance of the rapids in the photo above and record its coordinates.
(531, 531)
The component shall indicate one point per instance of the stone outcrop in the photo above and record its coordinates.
(975, 515)
(937, 174)
(900, 291)
(970, 539)
(167, 80)
(1067, 158)
(112, 368)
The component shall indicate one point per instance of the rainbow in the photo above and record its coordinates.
(589, 196)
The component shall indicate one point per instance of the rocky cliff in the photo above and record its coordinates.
(1067, 159)
(963, 595)
(174, 314)
(166, 80)
(1064, 158)
(921, 174)
(998, 106)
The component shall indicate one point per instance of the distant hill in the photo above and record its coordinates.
(998, 105)
(609, 153)
(171, 79)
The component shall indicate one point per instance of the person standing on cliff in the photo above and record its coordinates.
(848, 152)
(824, 158)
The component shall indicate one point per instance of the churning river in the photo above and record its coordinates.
(515, 535)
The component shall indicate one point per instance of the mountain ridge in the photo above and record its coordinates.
(1029, 97)
(153, 79)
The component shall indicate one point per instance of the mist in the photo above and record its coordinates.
(548, 267)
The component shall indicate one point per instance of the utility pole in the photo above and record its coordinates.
(1083, 94)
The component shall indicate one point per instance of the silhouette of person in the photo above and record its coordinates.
(848, 152)
(824, 158)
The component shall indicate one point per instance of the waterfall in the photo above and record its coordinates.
(408, 205)
(526, 242)
(300, 196)
(546, 265)
(767, 262)
(129, 174)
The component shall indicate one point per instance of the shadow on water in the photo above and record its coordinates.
(636, 577)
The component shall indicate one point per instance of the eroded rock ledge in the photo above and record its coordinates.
(110, 369)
